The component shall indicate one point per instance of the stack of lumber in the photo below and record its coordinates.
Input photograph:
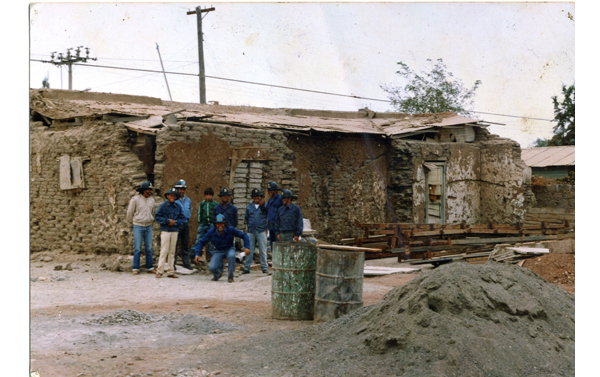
(549, 215)
(426, 241)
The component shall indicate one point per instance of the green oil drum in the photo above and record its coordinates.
(339, 283)
(293, 281)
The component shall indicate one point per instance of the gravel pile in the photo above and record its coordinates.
(124, 317)
(197, 325)
(456, 320)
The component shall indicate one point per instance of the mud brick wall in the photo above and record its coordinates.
(484, 180)
(200, 154)
(337, 179)
(503, 192)
(554, 196)
(92, 219)
(342, 179)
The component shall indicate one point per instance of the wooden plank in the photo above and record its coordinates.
(65, 172)
(348, 248)
(141, 129)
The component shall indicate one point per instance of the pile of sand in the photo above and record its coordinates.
(491, 319)
(456, 320)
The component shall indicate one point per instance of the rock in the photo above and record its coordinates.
(205, 307)
(68, 267)
(116, 265)
(58, 267)
(34, 279)
(39, 266)
(42, 278)
(47, 259)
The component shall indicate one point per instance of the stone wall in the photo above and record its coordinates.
(91, 219)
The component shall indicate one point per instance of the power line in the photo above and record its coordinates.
(287, 87)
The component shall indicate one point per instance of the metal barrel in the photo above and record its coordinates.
(339, 283)
(293, 280)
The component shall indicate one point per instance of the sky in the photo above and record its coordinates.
(522, 52)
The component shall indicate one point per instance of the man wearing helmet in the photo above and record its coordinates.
(169, 215)
(255, 218)
(273, 210)
(222, 237)
(140, 212)
(226, 209)
(183, 237)
(289, 225)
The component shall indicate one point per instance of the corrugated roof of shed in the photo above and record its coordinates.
(549, 156)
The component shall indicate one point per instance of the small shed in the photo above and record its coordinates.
(550, 162)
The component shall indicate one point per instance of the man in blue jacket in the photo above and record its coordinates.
(183, 240)
(226, 209)
(256, 223)
(272, 210)
(169, 215)
(222, 236)
(289, 225)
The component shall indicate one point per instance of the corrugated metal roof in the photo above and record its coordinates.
(549, 156)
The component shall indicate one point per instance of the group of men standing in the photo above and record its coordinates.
(217, 228)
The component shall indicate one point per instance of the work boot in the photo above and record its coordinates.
(215, 278)
(245, 272)
(230, 280)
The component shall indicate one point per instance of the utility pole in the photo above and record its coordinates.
(198, 12)
(69, 59)
(164, 73)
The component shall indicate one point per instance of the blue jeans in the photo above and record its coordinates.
(272, 237)
(183, 244)
(216, 263)
(202, 230)
(259, 238)
(286, 236)
(142, 233)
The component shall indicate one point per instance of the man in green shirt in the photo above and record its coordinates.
(205, 223)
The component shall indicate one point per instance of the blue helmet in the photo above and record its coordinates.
(256, 192)
(220, 218)
(180, 184)
(172, 190)
(288, 194)
(272, 186)
(146, 186)
(225, 192)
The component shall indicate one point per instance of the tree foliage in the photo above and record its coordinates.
(436, 91)
(564, 115)
(46, 81)
(539, 143)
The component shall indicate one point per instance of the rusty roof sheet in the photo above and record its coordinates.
(55, 105)
(549, 156)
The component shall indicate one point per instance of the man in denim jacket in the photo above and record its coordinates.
(256, 222)
(289, 225)
(272, 208)
(222, 237)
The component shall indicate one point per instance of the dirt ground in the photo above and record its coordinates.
(89, 321)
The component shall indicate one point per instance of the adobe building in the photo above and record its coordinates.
(90, 151)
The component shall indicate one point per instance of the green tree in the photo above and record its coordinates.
(46, 81)
(564, 115)
(539, 143)
(436, 91)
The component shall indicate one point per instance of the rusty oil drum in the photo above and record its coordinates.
(293, 280)
(339, 283)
